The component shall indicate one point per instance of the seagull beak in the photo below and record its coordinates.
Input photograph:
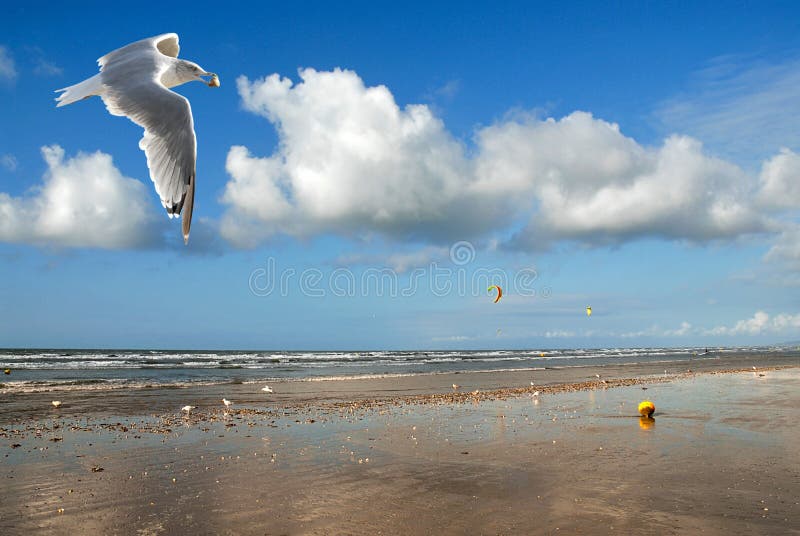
(214, 82)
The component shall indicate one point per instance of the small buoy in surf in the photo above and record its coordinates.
(7, 371)
(646, 408)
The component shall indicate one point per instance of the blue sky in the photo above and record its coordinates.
(389, 161)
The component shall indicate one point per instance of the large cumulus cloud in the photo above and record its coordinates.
(352, 161)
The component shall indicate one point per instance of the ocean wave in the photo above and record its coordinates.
(173, 367)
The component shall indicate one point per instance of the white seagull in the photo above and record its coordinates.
(56, 403)
(187, 409)
(267, 389)
(227, 402)
(134, 82)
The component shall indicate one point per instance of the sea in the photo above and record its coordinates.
(31, 370)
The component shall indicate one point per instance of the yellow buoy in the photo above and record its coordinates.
(7, 371)
(646, 408)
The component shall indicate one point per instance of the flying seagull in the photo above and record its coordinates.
(134, 82)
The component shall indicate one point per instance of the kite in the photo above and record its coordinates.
(499, 292)
(588, 311)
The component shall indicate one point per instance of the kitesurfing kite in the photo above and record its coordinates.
(588, 311)
(499, 292)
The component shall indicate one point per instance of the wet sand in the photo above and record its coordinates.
(415, 456)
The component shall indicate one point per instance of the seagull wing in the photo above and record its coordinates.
(132, 87)
(167, 44)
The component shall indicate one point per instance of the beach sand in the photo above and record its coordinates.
(414, 456)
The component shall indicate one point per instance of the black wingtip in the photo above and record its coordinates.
(188, 204)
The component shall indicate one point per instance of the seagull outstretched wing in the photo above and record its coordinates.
(131, 77)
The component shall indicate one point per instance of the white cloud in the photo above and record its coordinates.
(685, 329)
(400, 262)
(83, 201)
(654, 331)
(786, 248)
(649, 332)
(8, 69)
(743, 108)
(453, 338)
(351, 161)
(780, 181)
(594, 185)
(45, 67)
(41, 65)
(449, 89)
(760, 323)
(559, 334)
(9, 161)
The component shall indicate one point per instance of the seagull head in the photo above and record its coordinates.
(188, 71)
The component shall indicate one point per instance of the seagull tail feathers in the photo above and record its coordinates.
(188, 204)
(82, 90)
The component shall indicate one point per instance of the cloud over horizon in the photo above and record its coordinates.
(761, 323)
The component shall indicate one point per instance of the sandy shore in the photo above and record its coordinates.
(414, 456)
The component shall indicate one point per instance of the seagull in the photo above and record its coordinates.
(456, 386)
(135, 81)
(532, 383)
(56, 403)
(187, 409)
(535, 393)
(267, 389)
(597, 376)
(227, 402)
